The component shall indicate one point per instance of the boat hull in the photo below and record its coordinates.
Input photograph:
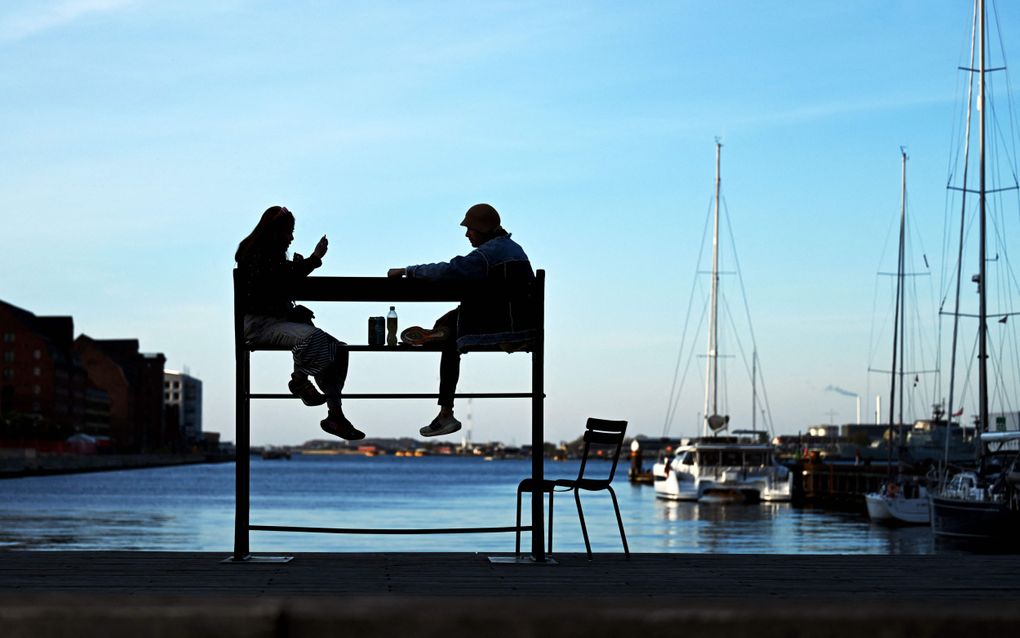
(911, 511)
(878, 509)
(962, 518)
(680, 486)
(898, 509)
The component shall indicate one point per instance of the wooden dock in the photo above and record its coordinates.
(444, 594)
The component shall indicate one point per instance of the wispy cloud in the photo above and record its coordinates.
(839, 390)
(45, 17)
(820, 111)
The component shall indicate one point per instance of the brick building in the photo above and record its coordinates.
(134, 383)
(44, 391)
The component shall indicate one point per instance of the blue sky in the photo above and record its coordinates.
(142, 139)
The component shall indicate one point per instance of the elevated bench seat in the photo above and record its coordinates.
(390, 290)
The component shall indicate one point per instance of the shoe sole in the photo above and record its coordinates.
(330, 428)
(314, 400)
(416, 336)
(426, 431)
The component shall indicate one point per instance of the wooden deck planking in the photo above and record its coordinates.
(815, 577)
(183, 595)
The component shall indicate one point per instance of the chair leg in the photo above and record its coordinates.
(619, 521)
(584, 528)
(517, 546)
(551, 492)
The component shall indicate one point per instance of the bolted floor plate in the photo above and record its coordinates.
(259, 559)
(519, 560)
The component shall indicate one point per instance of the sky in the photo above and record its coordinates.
(143, 139)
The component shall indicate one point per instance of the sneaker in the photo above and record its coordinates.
(440, 426)
(307, 392)
(338, 425)
(418, 336)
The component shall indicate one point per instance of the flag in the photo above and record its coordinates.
(958, 413)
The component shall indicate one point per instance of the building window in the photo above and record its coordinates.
(177, 384)
(8, 357)
(8, 337)
(36, 372)
(37, 354)
(177, 395)
(166, 384)
(35, 406)
(8, 373)
(36, 389)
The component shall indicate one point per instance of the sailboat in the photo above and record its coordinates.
(983, 503)
(898, 501)
(716, 468)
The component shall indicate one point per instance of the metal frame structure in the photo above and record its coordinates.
(385, 289)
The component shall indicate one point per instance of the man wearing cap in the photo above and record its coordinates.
(507, 322)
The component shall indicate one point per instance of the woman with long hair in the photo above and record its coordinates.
(272, 319)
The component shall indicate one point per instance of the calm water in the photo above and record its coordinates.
(191, 509)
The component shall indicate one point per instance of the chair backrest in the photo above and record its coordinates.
(605, 436)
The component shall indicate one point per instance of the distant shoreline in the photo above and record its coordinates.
(50, 465)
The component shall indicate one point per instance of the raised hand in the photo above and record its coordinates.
(321, 248)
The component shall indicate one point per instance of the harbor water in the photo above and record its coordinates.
(191, 508)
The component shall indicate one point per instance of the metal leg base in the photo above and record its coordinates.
(258, 559)
(519, 560)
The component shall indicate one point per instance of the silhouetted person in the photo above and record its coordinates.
(496, 258)
(272, 319)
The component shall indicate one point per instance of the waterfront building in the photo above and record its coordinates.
(182, 398)
(44, 390)
(133, 380)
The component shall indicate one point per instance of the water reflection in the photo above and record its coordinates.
(780, 528)
(83, 530)
(191, 509)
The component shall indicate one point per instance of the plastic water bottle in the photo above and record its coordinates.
(391, 327)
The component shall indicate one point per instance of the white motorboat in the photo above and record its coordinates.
(723, 469)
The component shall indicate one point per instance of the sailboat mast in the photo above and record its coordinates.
(754, 390)
(903, 287)
(959, 253)
(982, 281)
(897, 317)
(714, 354)
(712, 373)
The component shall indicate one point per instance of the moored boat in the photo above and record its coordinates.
(723, 469)
(714, 468)
(899, 503)
(985, 503)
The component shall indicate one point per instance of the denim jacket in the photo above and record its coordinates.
(503, 321)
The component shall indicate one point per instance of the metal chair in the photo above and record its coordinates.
(602, 436)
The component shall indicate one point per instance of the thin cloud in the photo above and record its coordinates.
(40, 19)
(839, 390)
(842, 108)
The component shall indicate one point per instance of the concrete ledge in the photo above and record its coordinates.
(171, 594)
(51, 616)
(17, 466)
